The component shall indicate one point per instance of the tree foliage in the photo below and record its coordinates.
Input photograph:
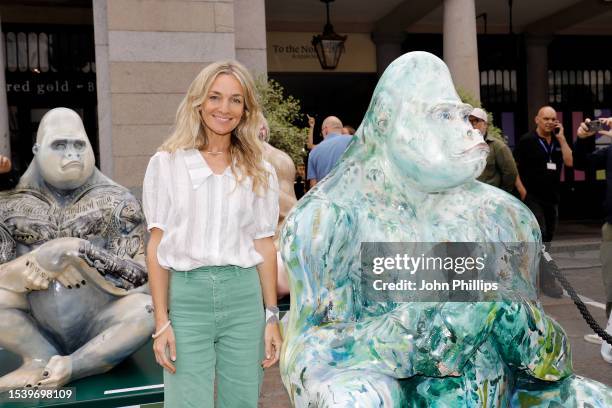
(282, 112)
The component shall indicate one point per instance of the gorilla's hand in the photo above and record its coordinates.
(55, 260)
(35, 277)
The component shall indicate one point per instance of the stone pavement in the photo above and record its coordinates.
(273, 394)
(576, 251)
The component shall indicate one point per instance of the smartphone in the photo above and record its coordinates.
(594, 125)
(556, 130)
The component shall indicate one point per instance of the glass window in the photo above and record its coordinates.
(11, 52)
(43, 52)
(33, 52)
(22, 52)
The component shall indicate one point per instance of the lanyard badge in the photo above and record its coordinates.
(550, 165)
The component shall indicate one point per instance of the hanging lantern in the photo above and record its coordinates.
(329, 46)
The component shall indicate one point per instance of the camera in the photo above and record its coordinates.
(594, 126)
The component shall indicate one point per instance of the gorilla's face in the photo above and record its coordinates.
(64, 156)
(436, 147)
(427, 137)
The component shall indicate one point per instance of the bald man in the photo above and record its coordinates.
(539, 156)
(326, 154)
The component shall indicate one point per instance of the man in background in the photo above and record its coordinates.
(500, 170)
(540, 155)
(587, 157)
(326, 154)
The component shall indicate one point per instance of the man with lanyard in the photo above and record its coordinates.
(539, 156)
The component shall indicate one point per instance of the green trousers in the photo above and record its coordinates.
(218, 320)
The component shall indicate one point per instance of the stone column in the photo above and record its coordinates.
(250, 29)
(460, 45)
(537, 74)
(5, 136)
(105, 136)
(388, 48)
(145, 66)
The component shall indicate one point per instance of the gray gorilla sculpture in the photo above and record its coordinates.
(73, 299)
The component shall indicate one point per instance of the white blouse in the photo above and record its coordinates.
(207, 219)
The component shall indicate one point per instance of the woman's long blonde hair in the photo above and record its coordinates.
(246, 150)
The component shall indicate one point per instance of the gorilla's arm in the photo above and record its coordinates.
(526, 338)
(433, 339)
(126, 236)
(116, 264)
(12, 276)
(321, 251)
(122, 261)
(532, 342)
(125, 273)
(8, 247)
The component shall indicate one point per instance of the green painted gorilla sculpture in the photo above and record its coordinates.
(409, 176)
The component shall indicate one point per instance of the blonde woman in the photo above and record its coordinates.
(211, 203)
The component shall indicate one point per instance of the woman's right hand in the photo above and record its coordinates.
(164, 348)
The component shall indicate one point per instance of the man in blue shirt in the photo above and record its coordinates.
(326, 154)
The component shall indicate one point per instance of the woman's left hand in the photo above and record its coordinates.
(273, 343)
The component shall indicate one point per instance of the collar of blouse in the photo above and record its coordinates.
(199, 170)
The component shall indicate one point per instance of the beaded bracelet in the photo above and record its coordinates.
(160, 331)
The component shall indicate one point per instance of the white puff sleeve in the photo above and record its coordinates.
(267, 207)
(155, 191)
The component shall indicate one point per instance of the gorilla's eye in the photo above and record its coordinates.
(445, 114)
(58, 145)
(79, 145)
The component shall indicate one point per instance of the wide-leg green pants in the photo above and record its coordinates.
(218, 319)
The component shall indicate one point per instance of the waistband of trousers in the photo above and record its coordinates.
(213, 271)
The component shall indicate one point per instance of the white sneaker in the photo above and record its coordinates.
(593, 338)
(606, 349)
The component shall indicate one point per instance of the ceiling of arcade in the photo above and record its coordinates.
(381, 16)
(393, 16)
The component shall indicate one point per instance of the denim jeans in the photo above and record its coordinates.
(218, 320)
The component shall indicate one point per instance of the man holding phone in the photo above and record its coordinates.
(540, 155)
(587, 157)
